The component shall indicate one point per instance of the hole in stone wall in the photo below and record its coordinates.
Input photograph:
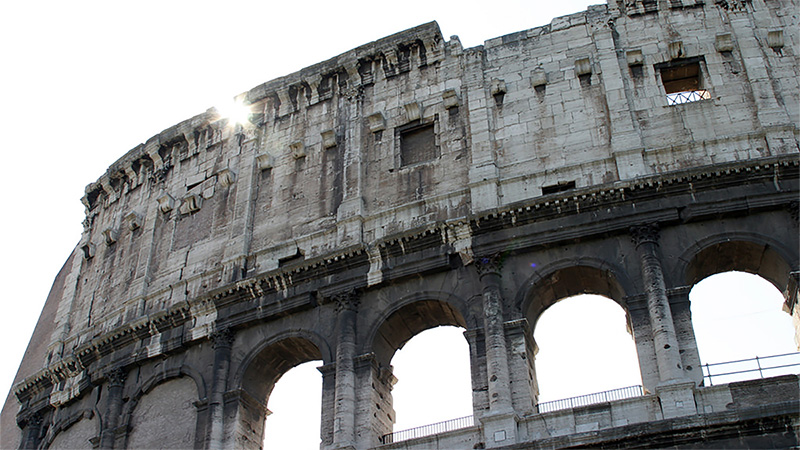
(296, 408)
(559, 187)
(682, 81)
(738, 316)
(584, 347)
(433, 373)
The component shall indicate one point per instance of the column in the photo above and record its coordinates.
(521, 356)
(116, 382)
(345, 405)
(32, 432)
(684, 332)
(675, 392)
(499, 424)
(221, 342)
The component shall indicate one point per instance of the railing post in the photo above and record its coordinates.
(758, 363)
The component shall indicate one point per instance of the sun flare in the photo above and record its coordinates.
(235, 111)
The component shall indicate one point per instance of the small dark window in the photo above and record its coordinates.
(683, 82)
(560, 187)
(417, 144)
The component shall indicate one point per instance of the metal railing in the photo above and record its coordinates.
(590, 399)
(745, 369)
(679, 98)
(427, 430)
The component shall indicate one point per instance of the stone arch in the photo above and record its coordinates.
(174, 395)
(570, 277)
(746, 252)
(161, 377)
(73, 429)
(251, 386)
(412, 315)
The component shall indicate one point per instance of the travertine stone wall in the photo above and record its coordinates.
(215, 254)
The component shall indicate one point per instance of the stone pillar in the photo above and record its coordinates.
(221, 342)
(328, 372)
(499, 424)
(643, 337)
(478, 371)
(116, 382)
(684, 332)
(345, 404)
(675, 391)
(521, 355)
(32, 432)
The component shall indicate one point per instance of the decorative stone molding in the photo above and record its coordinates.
(450, 98)
(328, 138)
(110, 235)
(376, 122)
(538, 77)
(88, 250)
(413, 111)
(724, 42)
(134, 220)
(298, 150)
(793, 208)
(226, 177)
(634, 58)
(675, 50)
(166, 203)
(489, 264)
(191, 204)
(775, 39)
(222, 338)
(265, 161)
(644, 233)
(583, 66)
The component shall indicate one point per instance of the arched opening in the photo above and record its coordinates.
(583, 336)
(585, 347)
(258, 381)
(433, 378)
(738, 317)
(424, 346)
(295, 409)
(740, 290)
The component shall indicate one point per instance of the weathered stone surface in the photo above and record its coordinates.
(385, 174)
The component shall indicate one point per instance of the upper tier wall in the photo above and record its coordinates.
(412, 131)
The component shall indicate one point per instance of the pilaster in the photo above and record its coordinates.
(221, 342)
(345, 378)
(116, 382)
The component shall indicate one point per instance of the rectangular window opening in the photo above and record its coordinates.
(683, 82)
(560, 187)
(417, 144)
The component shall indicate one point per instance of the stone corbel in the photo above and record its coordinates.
(724, 42)
(111, 194)
(676, 50)
(226, 177)
(538, 77)
(110, 235)
(298, 149)
(133, 177)
(583, 66)
(413, 111)
(376, 122)
(498, 87)
(328, 139)
(775, 39)
(88, 250)
(265, 161)
(134, 220)
(191, 204)
(166, 203)
(151, 148)
(634, 58)
(450, 98)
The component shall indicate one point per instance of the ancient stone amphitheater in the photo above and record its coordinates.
(631, 150)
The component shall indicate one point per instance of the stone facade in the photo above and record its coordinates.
(408, 184)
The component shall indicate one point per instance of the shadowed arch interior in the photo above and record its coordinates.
(267, 367)
(410, 320)
(743, 256)
(568, 282)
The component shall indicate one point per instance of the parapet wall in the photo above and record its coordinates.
(341, 164)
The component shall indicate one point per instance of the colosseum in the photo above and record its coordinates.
(631, 149)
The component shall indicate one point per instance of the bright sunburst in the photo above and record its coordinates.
(235, 111)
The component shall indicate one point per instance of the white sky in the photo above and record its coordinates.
(83, 82)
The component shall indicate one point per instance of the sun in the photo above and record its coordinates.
(235, 111)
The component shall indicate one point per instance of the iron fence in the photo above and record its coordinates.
(590, 399)
(745, 369)
(427, 430)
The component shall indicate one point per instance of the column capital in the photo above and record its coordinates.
(347, 301)
(641, 234)
(116, 377)
(222, 338)
(489, 264)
